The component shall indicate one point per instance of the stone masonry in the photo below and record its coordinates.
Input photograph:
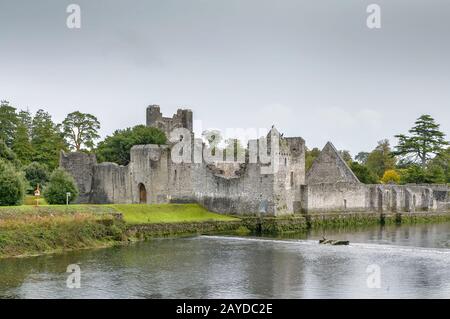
(243, 188)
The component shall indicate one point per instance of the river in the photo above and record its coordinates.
(381, 262)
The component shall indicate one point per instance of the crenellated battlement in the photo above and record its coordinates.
(181, 119)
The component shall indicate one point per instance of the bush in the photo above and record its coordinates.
(390, 177)
(12, 185)
(37, 173)
(60, 183)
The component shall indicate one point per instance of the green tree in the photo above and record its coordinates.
(8, 122)
(363, 173)
(59, 185)
(436, 174)
(425, 140)
(346, 156)
(310, 156)
(116, 148)
(362, 157)
(36, 173)
(12, 185)
(26, 119)
(414, 174)
(80, 129)
(381, 158)
(8, 155)
(47, 140)
(22, 144)
(442, 160)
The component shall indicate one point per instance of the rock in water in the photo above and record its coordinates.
(325, 241)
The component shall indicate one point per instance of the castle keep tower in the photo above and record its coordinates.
(182, 119)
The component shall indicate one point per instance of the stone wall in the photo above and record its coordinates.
(329, 167)
(244, 188)
(358, 197)
(80, 165)
(290, 176)
(335, 197)
(111, 184)
(149, 166)
(251, 193)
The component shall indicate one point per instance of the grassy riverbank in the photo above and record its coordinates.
(28, 230)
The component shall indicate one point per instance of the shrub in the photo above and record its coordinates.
(390, 177)
(36, 173)
(60, 183)
(12, 185)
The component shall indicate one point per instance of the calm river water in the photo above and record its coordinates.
(411, 261)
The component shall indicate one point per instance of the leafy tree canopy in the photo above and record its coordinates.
(381, 158)
(47, 140)
(80, 129)
(362, 157)
(425, 139)
(8, 122)
(116, 148)
(36, 173)
(346, 156)
(8, 155)
(12, 184)
(22, 141)
(363, 173)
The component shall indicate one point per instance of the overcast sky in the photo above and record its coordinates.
(312, 68)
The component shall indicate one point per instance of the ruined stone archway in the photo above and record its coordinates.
(142, 194)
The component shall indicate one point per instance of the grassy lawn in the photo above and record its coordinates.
(167, 213)
(132, 213)
(31, 200)
(22, 211)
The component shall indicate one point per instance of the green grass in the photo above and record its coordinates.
(132, 213)
(44, 210)
(167, 213)
(27, 230)
(31, 200)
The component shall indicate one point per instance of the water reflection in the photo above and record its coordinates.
(413, 261)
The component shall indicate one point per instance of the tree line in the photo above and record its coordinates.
(30, 146)
(422, 156)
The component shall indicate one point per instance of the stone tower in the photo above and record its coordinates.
(181, 119)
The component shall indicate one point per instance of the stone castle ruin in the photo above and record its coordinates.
(246, 188)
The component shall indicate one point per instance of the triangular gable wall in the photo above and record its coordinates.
(329, 167)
